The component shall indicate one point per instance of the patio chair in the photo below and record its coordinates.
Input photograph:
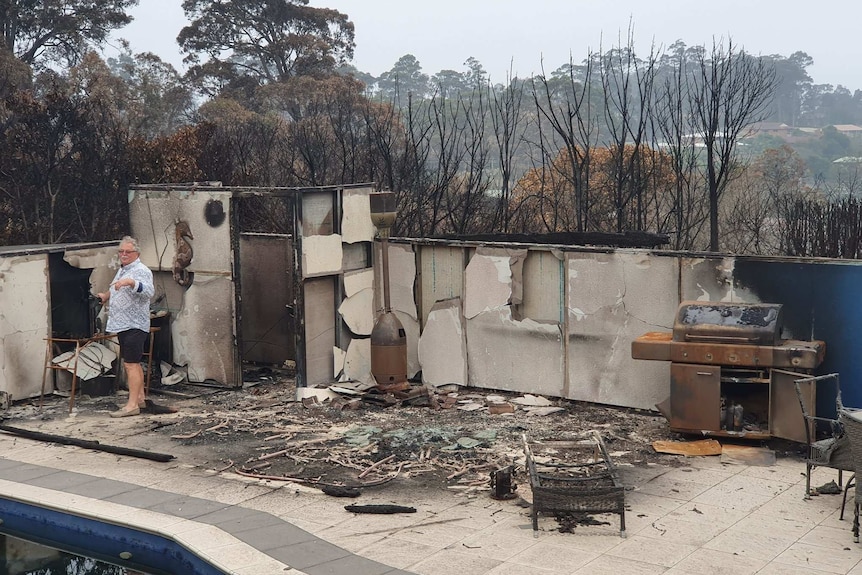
(852, 422)
(832, 451)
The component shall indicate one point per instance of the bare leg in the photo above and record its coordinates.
(135, 382)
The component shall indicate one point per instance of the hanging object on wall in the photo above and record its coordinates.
(214, 213)
(183, 255)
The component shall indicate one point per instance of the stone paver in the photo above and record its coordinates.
(701, 519)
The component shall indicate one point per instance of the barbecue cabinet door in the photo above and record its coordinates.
(785, 414)
(695, 397)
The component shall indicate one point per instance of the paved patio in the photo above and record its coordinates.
(705, 518)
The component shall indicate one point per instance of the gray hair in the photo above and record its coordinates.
(131, 240)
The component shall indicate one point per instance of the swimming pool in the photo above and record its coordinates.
(119, 545)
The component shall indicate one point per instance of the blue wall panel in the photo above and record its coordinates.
(821, 301)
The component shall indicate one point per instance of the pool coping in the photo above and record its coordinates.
(235, 539)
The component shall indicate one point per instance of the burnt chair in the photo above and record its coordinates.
(833, 450)
(852, 422)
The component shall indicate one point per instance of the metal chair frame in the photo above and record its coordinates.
(852, 422)
(841, 458)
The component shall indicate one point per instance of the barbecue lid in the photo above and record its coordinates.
(719, 322)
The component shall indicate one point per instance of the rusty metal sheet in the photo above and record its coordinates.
(653, 345)
(795, 354)
(785, 414)
(722, 354)
(799, 355)
(688, 448)
(266, 315)
(695, 397)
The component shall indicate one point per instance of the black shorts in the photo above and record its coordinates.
(132, 345)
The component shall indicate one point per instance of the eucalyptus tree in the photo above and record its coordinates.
(158, 102)
(404, 80)
(254, 42)
(59, 31)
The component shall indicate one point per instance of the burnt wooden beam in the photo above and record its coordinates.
(85, 443)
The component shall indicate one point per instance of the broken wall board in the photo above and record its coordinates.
(441, 274)
(357, 361)
(442, 345)
(493, 279)
(320, 322)
(507, 354)
(614, 298)
(154, 215)
(356, 224)
(24, 323)
(357, 311)
(402, 277)
(338, 357)
(321, 255)
(356, 281)
(203, 332)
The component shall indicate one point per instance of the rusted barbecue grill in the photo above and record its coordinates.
(730, 371)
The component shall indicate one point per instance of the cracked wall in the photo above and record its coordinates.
(26, 308)
(505, 351)
(203, 310)
(24, 323)
(612, 299)
(442, 350)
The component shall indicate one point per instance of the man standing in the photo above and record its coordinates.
(129, 317)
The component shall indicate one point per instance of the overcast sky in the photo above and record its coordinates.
(522, 34)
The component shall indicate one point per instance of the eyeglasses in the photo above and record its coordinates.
(127, 251)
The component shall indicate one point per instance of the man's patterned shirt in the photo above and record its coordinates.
(129, 307)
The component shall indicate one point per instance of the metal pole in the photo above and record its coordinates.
(384, 247)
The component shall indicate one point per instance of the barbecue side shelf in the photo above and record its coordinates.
(724, 401)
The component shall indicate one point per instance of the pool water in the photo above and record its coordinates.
(24, 557)
(103, 548)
